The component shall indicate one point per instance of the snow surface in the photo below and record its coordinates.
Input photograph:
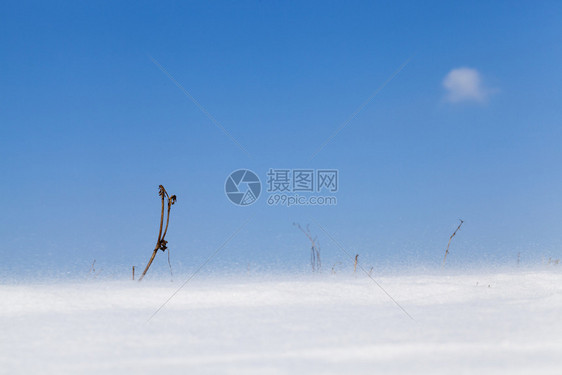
(464, 324)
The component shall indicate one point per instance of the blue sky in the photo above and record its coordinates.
(90, 126)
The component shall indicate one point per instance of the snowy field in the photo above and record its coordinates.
(479, 323)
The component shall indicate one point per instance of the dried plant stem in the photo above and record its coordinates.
(355, 264)
(168, 216)
(133, 273)
(161, 242)
(449, 244)
(148, 265)
(314, 249)
(157, 241)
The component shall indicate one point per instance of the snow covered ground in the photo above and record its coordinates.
(475, 323)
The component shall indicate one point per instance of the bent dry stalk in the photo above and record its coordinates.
(450, 239)
(314, 248)
(161, 242)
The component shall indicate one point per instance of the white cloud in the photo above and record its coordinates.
(464, 85)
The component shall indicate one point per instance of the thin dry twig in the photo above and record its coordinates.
(355, 264)
(161, 242)
(314, 248)
(450, 239)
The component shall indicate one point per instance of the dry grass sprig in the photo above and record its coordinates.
(161, 242)
(314, 248)
(450, 239)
